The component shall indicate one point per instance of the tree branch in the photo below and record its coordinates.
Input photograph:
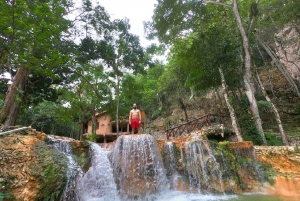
(89, 83)
(218, 3)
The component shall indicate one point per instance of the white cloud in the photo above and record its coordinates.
(136, 11)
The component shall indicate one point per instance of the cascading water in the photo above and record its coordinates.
(136, 171)
(246, 159)
(169, 159)
(138, 167)
(73, 167)
(202, 167)
(98, 182)
(227, 175)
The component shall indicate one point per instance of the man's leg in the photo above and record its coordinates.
(132, 126)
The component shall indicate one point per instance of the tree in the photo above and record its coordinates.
(173, 19)
(46, 117)
(30, 35)
(122, 52)
(230, 108)
(277, 116)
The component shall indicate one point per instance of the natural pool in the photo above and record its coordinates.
(183, 196)
(180, 196)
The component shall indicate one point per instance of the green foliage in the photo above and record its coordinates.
(223, 145)
(242, 161)
(82, 157)
(5, 195)
(269, 173)
(1, 103)
(274, 15)
(46, 117)
(91, 137)
(4, 192)
(246, 122)
(249, 131)
(272, 140)
(142, 89)
(264, 105)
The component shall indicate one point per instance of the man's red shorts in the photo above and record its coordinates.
(135, 123)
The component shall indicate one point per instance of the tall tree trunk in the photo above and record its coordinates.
(247, 75)
(118, 102)
(94, 120)
(15, 108)
(80, 131)
(13, 114)
(81, 122)
(182, 105)
(12, 93)
(277, 116)
(230, 108)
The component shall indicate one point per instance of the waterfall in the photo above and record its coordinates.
(169, 158)
(98, 182)
(134, 170)
(202, 167)
(138, 167)
(246, 159)
(73, 167)
(227, 175)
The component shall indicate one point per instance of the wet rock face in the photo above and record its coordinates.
(212, 168)
(30, 169)
(138, 167)
(285, 161)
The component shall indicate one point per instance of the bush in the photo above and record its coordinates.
(91, 137)
(5, 195)
(249, 131)
(264, 106)
(246, 122)
(272, 140)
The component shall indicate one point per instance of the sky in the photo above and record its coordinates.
(136, 11)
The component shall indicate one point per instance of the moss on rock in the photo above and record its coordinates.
(51, 172)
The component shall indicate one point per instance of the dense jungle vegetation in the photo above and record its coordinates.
(67, 61)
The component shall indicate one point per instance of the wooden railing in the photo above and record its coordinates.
(197, 124)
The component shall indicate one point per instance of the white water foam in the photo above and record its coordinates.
(203, 169)
(97, 183)
(138, 168)
(73, 168)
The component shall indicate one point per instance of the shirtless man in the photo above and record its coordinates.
(135, 119)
